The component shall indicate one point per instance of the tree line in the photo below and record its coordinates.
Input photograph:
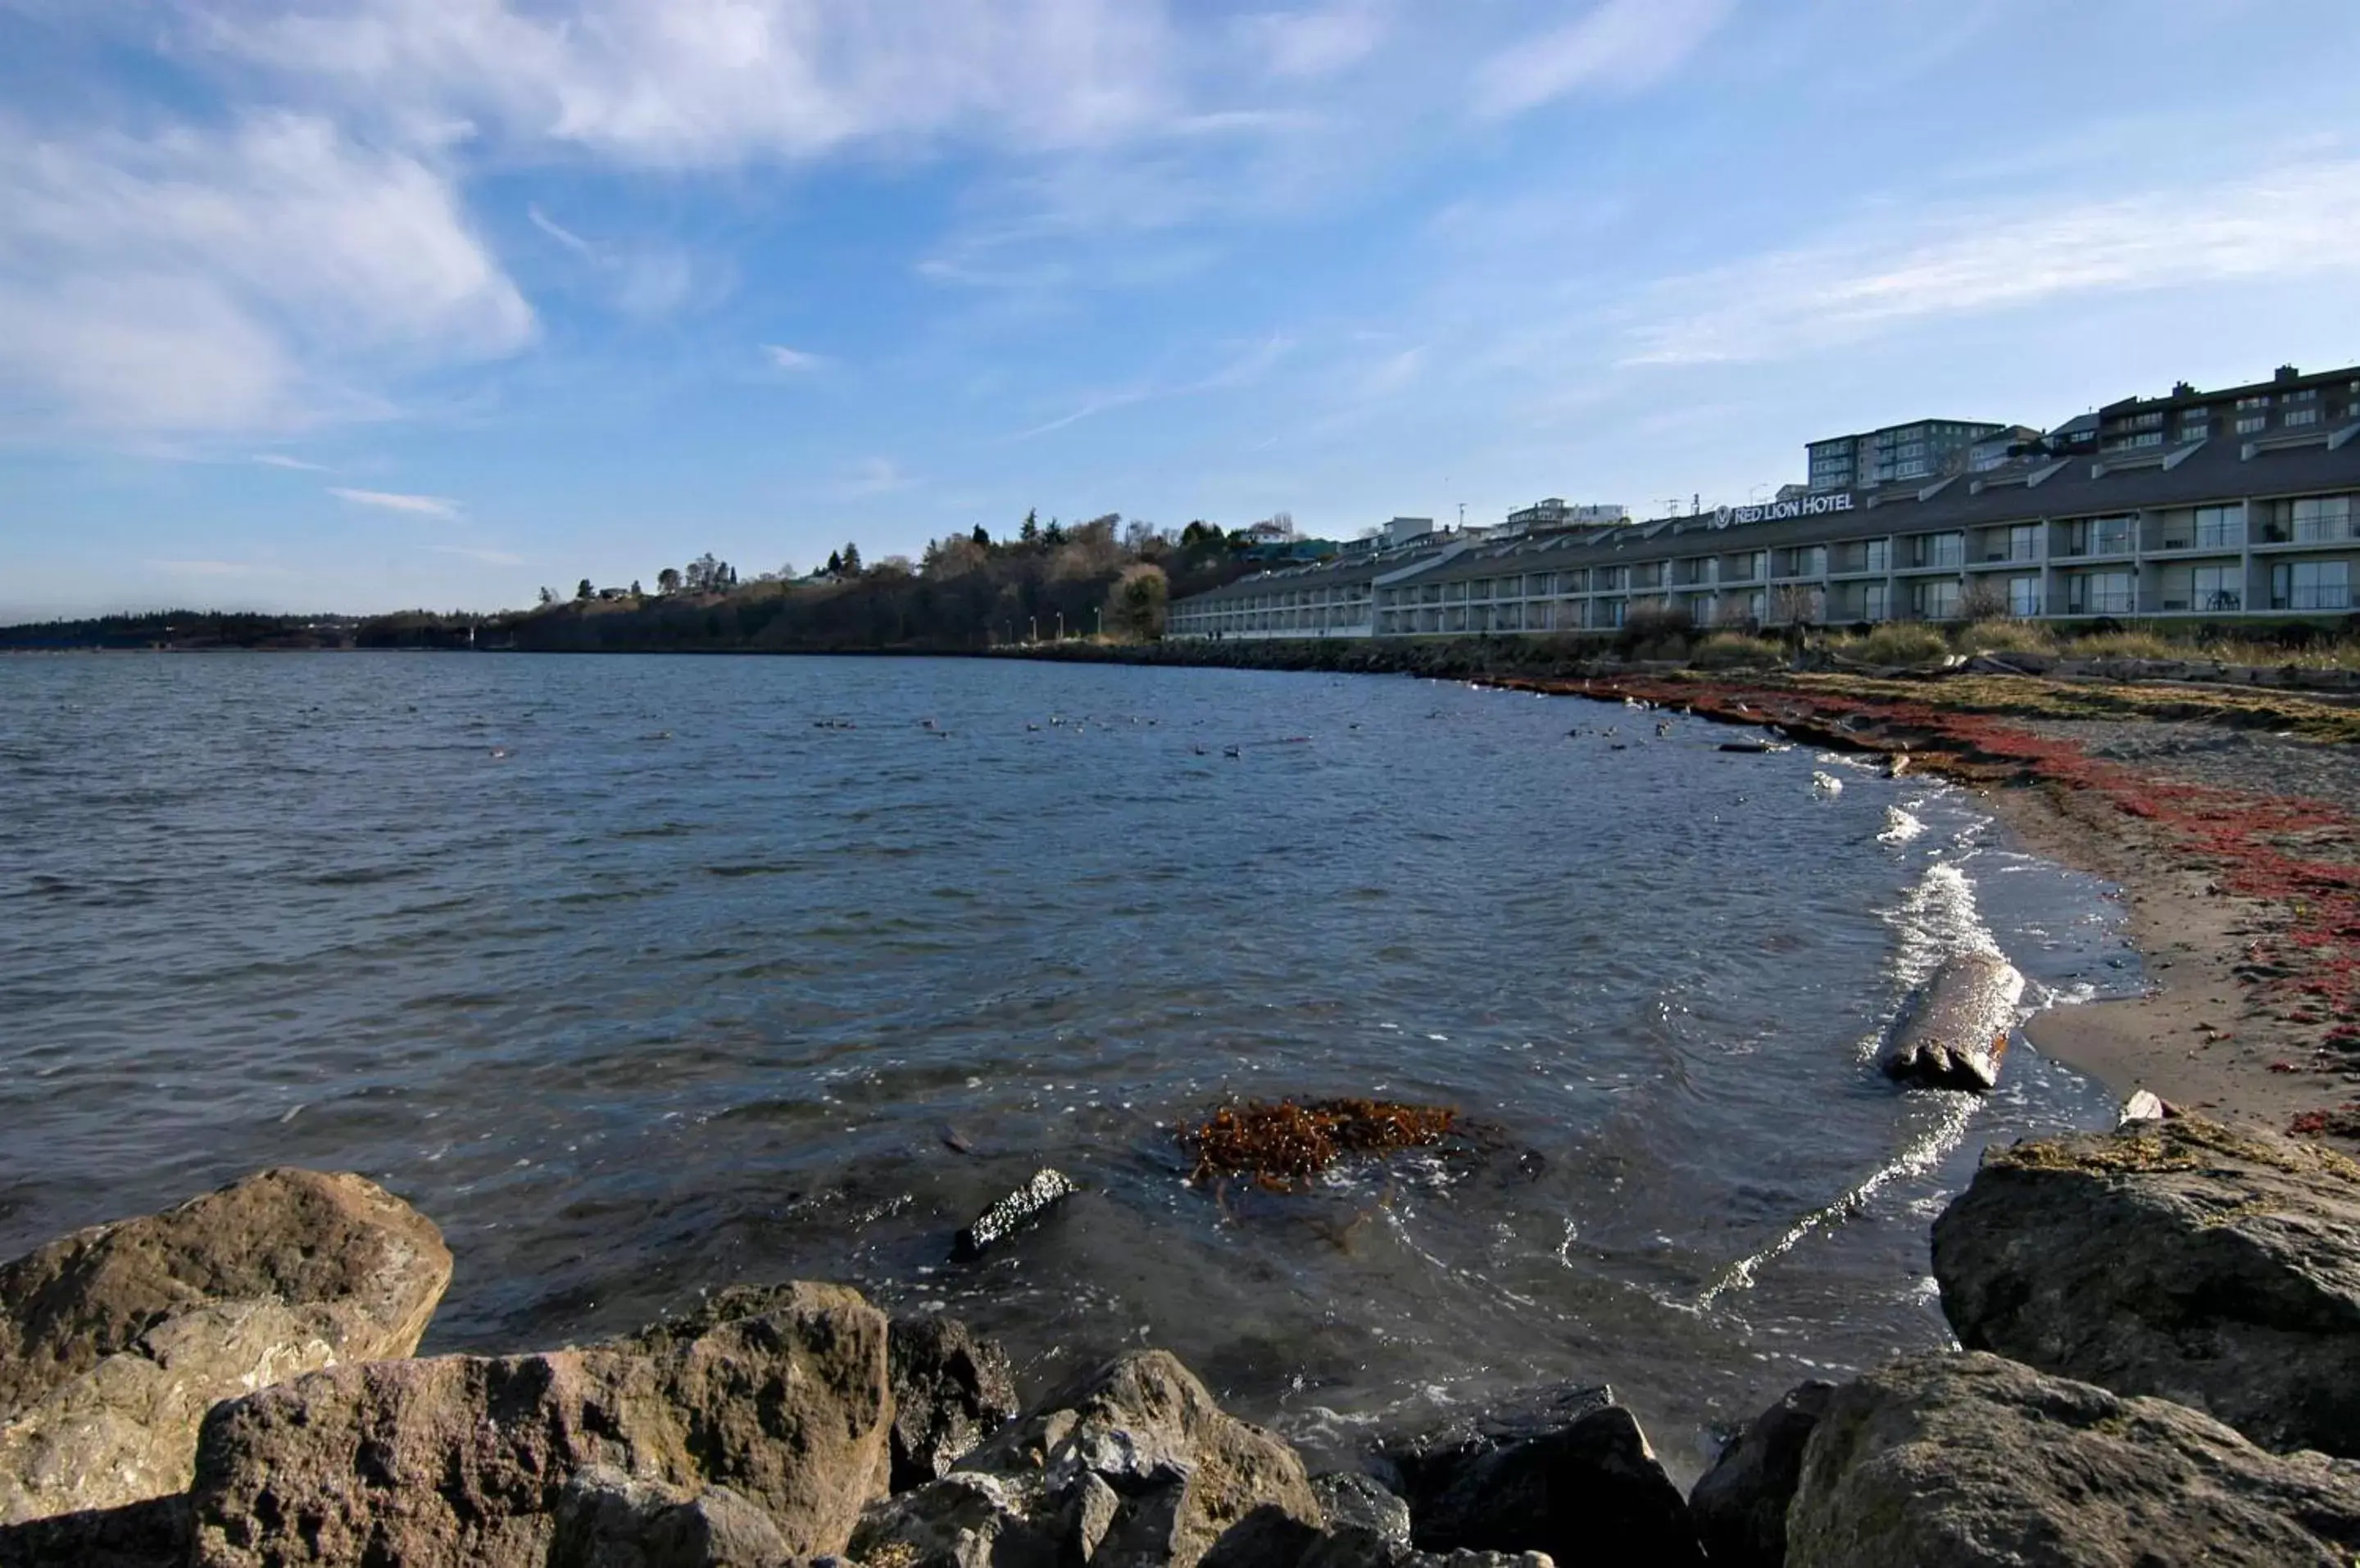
(1106, 577)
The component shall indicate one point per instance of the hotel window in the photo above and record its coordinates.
(2296, 418)
(2311, 585)
(1871, 601)
(2100, 594)
(2220, 528)
(1877, 555)
(2024, 542)
(2245, 403)
(2023, 597)
(2218, 588)
(2253, 424)
(2308, 395)
(2195, 428)
(2319, 519)
(1939, 549)
(1938, 600)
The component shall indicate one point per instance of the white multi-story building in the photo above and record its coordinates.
(2250, 508)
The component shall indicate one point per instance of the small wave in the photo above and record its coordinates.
(1900, 826)
(1923, 1152)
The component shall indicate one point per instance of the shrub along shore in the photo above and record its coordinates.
(2160, 1364)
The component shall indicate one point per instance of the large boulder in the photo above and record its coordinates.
(2217, 1268)
(951, 1390)
(606, 1520)
(1130, 1464)
(1968, 1461)
(778, 1395)
(1572, 1478)
(1740, 1505)
(114, 1340)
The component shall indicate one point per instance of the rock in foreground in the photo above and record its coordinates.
(1131, 1463)
(1740, 1505)
(113, 1341)
(777, 1396)
(2176, 1258)
(951, 1390)
(1972, 1462)
(1576, 1480)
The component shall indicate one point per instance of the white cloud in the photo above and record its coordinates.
(1317, 42)
(280, 460)
(1248, 367)
(489, 557)
(785, 358)
(393, 501)
(2298, 219)
(713, 82)
(211, 281)
(1619, 46)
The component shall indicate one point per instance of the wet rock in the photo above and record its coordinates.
(150, 1534)
(1349, 1500)
(1020, 1210)
(113, 1341)
(778, 1394)
(1973, 1462)
(1740, 1505)
(1131, 1463)
(1955, 1033)
(951, 1390)
(607, 1520)
(1587, 1488)
(2143, 1105)
(2217, 1268)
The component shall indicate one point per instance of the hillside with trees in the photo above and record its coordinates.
(967, 592)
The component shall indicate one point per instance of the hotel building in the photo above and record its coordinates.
(2227, 505)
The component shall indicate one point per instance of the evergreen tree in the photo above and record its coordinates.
(982, 538)
(852, 559)
(1031, 532)
(583, 591)
(834, 562)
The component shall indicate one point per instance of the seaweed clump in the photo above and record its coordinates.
(1281, 1147)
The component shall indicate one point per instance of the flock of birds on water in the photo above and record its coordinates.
(1824, 785)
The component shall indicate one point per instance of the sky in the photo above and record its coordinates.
(357, 305)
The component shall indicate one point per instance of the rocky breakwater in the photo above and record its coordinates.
(2162, 1334)
(114, 1341)
(2162, 1357)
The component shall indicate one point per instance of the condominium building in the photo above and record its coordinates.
(2248, 509)
(1898, 454)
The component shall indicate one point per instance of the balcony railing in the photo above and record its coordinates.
(2103, 604)
(2324, 598)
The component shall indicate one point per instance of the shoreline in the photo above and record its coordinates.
(2241, 890)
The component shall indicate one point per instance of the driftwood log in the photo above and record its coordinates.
(1954, 1034)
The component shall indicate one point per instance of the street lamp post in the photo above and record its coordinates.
(1035, 634)
(1061, 626)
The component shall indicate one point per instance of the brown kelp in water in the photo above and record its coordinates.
(1282, 1146)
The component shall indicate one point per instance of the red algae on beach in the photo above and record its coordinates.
(1281, 1147)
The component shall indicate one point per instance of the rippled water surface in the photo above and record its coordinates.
(638, 979)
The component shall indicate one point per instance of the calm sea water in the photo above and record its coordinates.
(640, 980)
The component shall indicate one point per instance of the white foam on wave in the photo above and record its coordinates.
(1936, 920)
(1900, 826)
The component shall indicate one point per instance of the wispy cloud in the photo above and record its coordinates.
(1247, 367)
(1317, 42)
(561, 234)
(876, 476)
(785, 358)
(262, 277)
(280, 460)
(1619, 46)
(1875, 278)
(394, 501)
(639, 279)
(489, 557)
(216, 569)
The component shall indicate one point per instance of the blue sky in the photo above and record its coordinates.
(372, 303)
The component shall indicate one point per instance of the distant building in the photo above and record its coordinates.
(1898, 454)
(1401, 531)
(2289, 402)
(1997, 450)
(1542, 516)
